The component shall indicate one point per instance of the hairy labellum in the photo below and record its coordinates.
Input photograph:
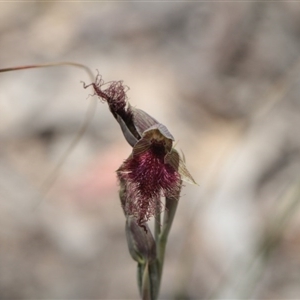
(147, 178)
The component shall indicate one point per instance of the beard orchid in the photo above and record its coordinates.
(154, 169)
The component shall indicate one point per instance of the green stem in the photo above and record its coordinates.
(140, 272)
(161, 239)
(157, 224)
(146, 289)
(171, 207)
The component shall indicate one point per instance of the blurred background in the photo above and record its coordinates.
(223, 77)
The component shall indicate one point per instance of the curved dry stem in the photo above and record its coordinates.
(47, 65)
(51, 178)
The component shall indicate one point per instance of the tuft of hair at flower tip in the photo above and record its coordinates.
(114, 93)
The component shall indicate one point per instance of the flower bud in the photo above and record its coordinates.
(140, 241)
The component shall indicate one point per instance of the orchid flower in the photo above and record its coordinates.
(154, 169)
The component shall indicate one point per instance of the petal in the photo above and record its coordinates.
(130, 138)
(160, 134)
(173, 159)
(142, 120)
(141, 146)
(163, 130)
